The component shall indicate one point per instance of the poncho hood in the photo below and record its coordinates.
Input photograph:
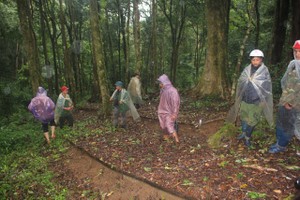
(42, 107)
(41, 92)
(164, 79)
(294, 64)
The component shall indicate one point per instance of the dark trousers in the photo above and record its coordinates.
(45, 126)
(64, 118)
(285, 125)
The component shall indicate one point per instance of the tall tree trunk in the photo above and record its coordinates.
(47, 72)
(137, 36)
(68, 64)
(110, 45)
(50, 7)
(127, 76)
(256, 6)
(213, 79)
(99, 57)
(153, 64)
(295, 34)
(26, 24)
(175, 12)
(279, 33)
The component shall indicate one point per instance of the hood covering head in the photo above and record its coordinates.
(41, 92)
(42, 107)
(164, 79)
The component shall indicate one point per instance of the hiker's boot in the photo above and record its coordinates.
(247, 141)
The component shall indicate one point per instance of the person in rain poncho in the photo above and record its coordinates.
(253, 96)
(121, 104)
(64, 107)
(168, 107)
(134, 89)
(288, 115)
(42, 108)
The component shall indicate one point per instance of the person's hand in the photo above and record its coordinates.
(288, 106)
(173, 117)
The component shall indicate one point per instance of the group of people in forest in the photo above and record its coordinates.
(254, 98)
(44, 110)
(131, 100)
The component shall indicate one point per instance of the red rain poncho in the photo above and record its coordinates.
(168, 107)
(42, 107)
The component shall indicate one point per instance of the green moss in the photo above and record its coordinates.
(226, 132)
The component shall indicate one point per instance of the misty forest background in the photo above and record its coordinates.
(202, 45)
(89, 44)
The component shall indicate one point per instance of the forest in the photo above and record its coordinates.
(89, 45)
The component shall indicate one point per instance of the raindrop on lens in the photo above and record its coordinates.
(47, 71)
(6, 90)
(200, 122)
(297, 184)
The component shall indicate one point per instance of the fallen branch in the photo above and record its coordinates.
(260, 168)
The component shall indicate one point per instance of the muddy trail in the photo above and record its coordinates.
(136, 163)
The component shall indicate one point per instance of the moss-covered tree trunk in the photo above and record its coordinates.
(29, 41)
(98, 57)
(213, 79)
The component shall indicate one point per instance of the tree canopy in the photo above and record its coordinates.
(53, 43)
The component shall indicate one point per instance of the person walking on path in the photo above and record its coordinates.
(64, 107)
(42, 108)
(288, 115)
(134, 89)
(168, 108)
(121, 104)
(253, 96)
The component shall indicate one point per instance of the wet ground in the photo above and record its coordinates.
(190, 169)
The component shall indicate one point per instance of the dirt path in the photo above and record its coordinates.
(190, 169)
(111, 183)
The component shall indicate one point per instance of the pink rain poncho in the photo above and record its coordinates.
(169, 103)
(42, 107)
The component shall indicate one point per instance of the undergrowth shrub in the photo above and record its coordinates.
(24, 172)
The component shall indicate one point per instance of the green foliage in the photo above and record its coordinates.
(256, 195)
(13, 97)
(207, 102)
(226, 132)
(23, 169)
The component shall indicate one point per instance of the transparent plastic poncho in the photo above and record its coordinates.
(293, 65)
(125, 98)
(290, 84)
(262, 84)
(60, 103)
(134, 89)
(42, 107)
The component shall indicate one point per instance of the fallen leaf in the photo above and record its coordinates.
(277, 191)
